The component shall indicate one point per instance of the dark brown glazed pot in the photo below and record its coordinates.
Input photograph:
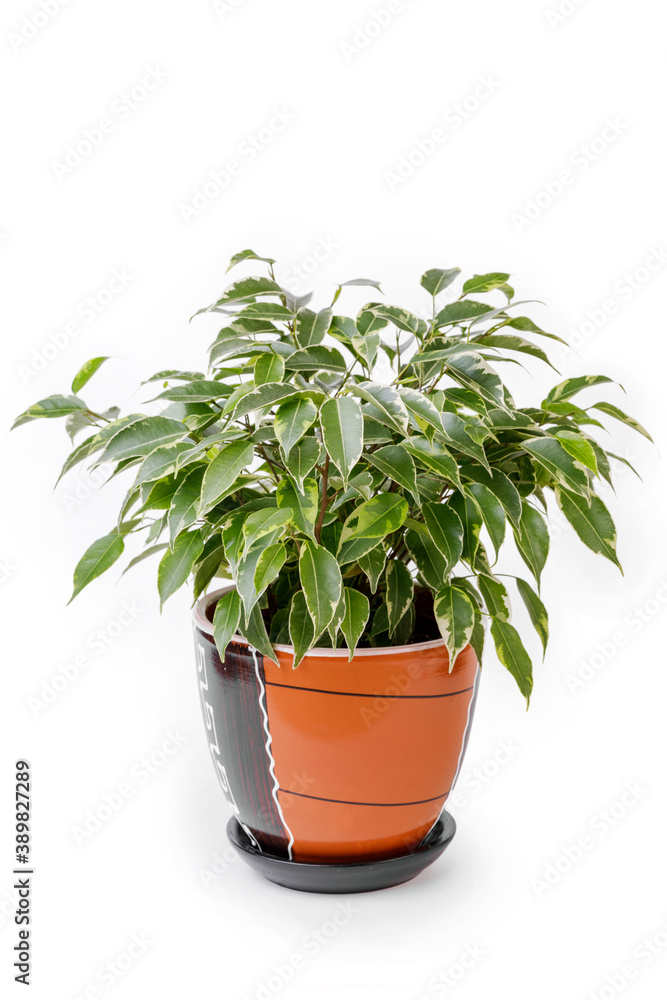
(337, 761)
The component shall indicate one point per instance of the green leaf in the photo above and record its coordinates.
(142, 437)
(269, 566)
(86, 372)
(265, 395)
(342, 425)
(322, 584)
(52, 406)
(501, 487)
(527, 326)
(512, 654)
(511, 343)
(495, 597)
(183, 511)
(304, 505)
(399, 592)
(578, 447)
(470, 518)
(301, 628)
(567, 471)
(291, 422)
(593, 524)
(532, 540)
(536, 610)
(247, 288)
(433, 456)
(247, 255)
(175, 566)
(302, 459)
(428, 560)
(269, 367)
(226, 620)
(460, 312)
(254, 632)
(376, 518)
(264, 522)
(446, 532)
(372, 564)
(396, 463)
(436, 280)
(387, 401)
(367, 348)
(160, 462)
(456, 436)
(455, 616)
(199, 391)
(613, 411)
(492, 512)
(315, 359)
(357, 612)
(223, 472)
(401, 318)
(311, 327)
(267, 311)
(473, 372)
(421, 406)
(96, 560)
(485, 283)
(571, 386)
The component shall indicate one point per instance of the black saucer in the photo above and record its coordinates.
(356, 877)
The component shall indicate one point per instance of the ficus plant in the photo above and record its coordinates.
(355, 477)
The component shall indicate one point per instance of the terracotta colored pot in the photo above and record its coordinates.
(335, 761)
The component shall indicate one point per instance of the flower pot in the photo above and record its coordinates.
(336, 766)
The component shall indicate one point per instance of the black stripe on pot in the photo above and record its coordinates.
(346, 802)
(233, 701)
(357, 694)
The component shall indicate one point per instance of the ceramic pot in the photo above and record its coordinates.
(336, 762)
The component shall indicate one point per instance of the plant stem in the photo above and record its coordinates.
(324, 504)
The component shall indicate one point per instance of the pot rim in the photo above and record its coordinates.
(202, 622)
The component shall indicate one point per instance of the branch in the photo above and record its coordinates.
(325, 502)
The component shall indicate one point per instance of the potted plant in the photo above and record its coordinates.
(353, 480)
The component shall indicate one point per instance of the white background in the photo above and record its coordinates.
(535, 93)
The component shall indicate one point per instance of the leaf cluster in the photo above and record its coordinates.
(349, 508)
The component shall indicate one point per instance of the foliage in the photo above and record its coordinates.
(349, 506)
